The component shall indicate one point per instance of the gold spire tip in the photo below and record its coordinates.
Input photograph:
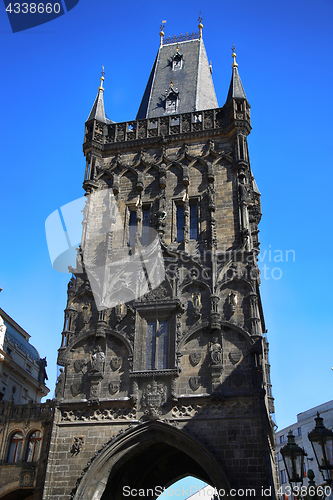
(162, 30)
(200, 26)
(234, 64)
(102, 79)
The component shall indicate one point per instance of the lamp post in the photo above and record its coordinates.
(321, 440)
(293, 458)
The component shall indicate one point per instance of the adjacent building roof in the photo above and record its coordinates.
(184, 67)
(19, 336)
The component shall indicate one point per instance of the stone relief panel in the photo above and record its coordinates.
(116, 379)
(195, 362)
(77, 379)
(237, 362)
(196, 300)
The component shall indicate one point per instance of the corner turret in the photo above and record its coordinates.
(97, 111)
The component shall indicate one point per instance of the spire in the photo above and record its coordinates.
(183, 59)
(97, 111)
(162, 32)
(200, 26)
(236, 88)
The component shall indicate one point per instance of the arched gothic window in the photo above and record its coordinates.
(15, 447)
(34, 446)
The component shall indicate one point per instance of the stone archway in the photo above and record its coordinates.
(151, 456)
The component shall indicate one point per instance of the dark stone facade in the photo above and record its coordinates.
(206, 411)
(175, 381)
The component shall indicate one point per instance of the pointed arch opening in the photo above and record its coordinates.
(148, 458)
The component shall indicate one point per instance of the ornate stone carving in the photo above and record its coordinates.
(215, 351)
(27, 477)
(60, 385)
(76, 388)
(79, 364)
(77, 445)
(196, 302)
(195, 383)
(210, 172)
(153, 397)
(211, 410)
(94, 390)
(215, 324)
(195, 358)
(235, 355)
(116, 363)
(173, 393)
(86, 311)
(114, 386)
(97, 361)
(91, 415)
(135, 391)
(120, 312)
(232, 301)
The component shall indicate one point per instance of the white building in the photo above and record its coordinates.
(22, 371)
(305, 424)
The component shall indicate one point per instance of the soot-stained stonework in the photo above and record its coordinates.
(165, 368)
(180, 368)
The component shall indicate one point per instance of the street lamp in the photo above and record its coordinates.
(293, 458)
(322, 444)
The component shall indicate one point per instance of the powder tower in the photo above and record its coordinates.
(164, 357)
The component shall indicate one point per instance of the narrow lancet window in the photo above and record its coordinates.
(193, 221)
(180, 223)
(145, 226)
(132, 228)
(157, 345)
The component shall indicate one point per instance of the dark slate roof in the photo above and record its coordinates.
(97, 111)
(236, 88)
(193, 81)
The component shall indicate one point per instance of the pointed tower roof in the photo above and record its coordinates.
(236, 87)
(97, 111)
(182, 60)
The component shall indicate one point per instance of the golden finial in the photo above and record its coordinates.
(234, 64)
(102, 80)
(200, 26)
(162, 32)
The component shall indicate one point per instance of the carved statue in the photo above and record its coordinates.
(42, 376)
(211, 197)
(242, 189)
(60, 385)
(196, 301)
(232, 301)
(97, 359)
(216, 352)
(86, 313)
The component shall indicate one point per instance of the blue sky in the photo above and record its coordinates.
(50, 76)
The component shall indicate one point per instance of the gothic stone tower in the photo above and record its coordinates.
(165, 360)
